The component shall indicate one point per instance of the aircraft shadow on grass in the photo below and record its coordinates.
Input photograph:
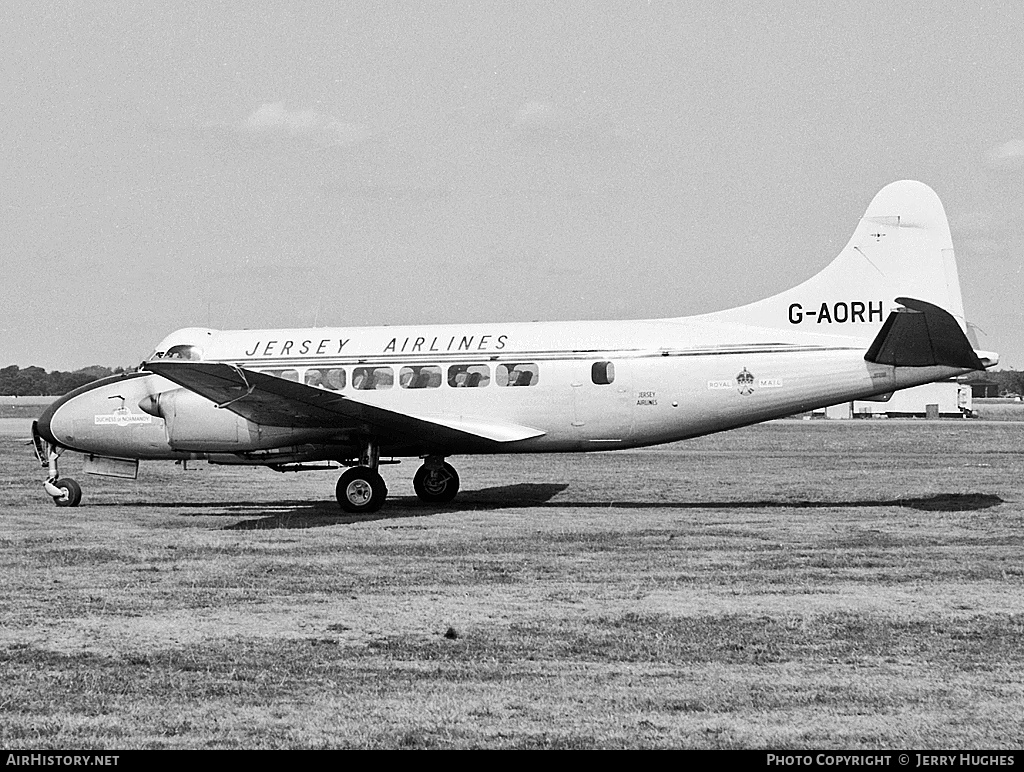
(290, 513)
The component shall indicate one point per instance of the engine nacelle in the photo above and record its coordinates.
(196, 424)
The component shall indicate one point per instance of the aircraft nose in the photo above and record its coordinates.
(57, 424)
(101, 418)
(54, 425)
(43, 425)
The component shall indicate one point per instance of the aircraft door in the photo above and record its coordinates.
(602, 401)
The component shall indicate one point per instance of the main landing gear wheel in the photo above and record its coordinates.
(71, 493)
(361, 489)
(436, 484)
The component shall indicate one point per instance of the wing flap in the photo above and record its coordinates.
(271, 401)
(497, 431)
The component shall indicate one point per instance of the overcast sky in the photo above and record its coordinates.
(263, 164)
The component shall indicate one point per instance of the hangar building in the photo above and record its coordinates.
(945, 399)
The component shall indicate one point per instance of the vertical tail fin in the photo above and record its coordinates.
(901, 247)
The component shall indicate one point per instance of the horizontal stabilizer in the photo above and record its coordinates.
(922, 335)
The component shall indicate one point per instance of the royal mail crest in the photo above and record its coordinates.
(745, 382)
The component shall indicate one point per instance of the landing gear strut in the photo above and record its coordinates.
(361, 488)
(64, 491)
(436, 481)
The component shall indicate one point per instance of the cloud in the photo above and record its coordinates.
(1007, 157)
(539, 116)
(272, 119)
(543, 122)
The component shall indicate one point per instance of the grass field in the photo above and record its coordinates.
(854, 584)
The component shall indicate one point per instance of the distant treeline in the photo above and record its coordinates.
(35, 381)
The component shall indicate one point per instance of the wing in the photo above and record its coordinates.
(271, 401)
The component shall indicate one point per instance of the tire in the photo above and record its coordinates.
(361, 489)
(72, 493)
(436, 485)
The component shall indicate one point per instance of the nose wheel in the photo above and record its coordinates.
(64, 491)
(70, 492)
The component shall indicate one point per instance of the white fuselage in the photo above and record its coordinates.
(668, 380)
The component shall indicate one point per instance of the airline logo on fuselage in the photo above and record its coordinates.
(405, 345)
(436, 343)
(841, 312)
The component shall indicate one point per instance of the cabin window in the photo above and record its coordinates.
(468, 376)
(193, 353)
(372, 378)
(602, 373)
(518, 374)
(419, 377)
(333, 379)
(288, 375)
